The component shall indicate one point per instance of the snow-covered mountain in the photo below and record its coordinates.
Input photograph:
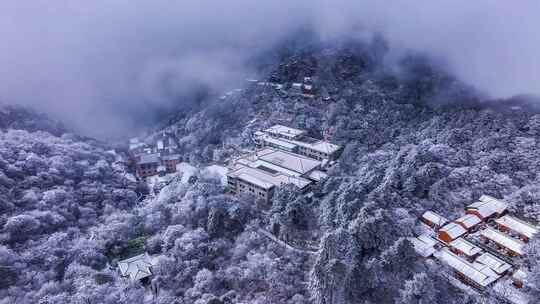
(415, 139)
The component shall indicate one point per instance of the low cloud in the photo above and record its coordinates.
(106, 66)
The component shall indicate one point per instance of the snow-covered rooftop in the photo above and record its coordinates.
(269, 167)
(453, 230)
(468, 221)
(255, 178)
(483, 276)
(498, 204)
(289, 161)
(466, 247)
(282, 143)
(265, 179)
(517, 225)
(434, 218)
(487, 206)
(149, 159)
(496, 264)
(318, 145)
(504, 240)
(137, 267)
(318, 175)
(424, 245)
(284, 131)
(171, 157)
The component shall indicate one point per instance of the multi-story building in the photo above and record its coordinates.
(170, 161)
(147, 165)
(259, 173)
(160, 158)
(296, 141)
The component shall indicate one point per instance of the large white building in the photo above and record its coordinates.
(259, 173)
(296, 141)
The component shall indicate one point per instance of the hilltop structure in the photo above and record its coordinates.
(159, 158)
(296, 141)
(259, 173)
(286, 156)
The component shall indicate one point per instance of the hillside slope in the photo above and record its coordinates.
(416, 140)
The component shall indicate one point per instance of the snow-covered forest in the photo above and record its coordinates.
(415, 139)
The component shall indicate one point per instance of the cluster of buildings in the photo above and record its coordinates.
(306, 88)
(481, 245)
(284, 156)
(160, 158)
(296, 141)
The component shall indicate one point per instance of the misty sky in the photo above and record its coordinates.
(103, 66)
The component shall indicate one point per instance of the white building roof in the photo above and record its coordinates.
(482, 276)
(285, 131)
(289, 161)
(493, 262)
(261, 164)
(266, 180)
(517, 225)
(317, 175)
(137, 267)
(498, 205)
(254, 179)
(171, 157)
(435, 218)
(468, 248)
(503, 240)
(149, 159)
(468, 221)
(424, 245)
(488, 206)
(282, 143)
(453, 230)
(319, 146)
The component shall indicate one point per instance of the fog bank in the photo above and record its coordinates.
(105, 67)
